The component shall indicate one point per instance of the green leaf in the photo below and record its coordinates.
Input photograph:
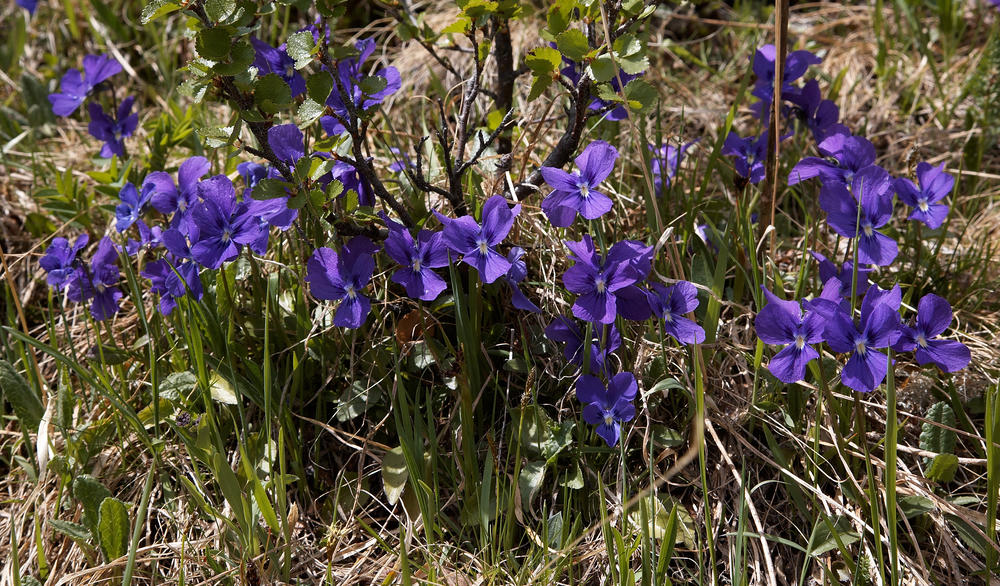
(372, 84)
(91, 493)
(319, 167)
(640, 95)
(394, 474)
(573, 478)
(933, 435)
(270, 189)
(178, 385)
(27, 406)
(558, 16)
(309, 112)
(113, 528)
(543, 60)
(217, 136)
(634, 64)
(462, 25)
(573, 44)
(319, 85)
(554, 531)
(914, 505)
(538, 87)
(301, 48)
(219, 10)
(529, 481)
(74, 531)
(822, 539)
(603, 68)
(231, 489)
(156, 9)
(272, 94)
(943, 468)
(238, 61)
(215, 43)
(222, 390)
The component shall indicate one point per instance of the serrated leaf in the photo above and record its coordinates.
(372, 84)
(271, 93)
(943, 468)
(91, 493)
(157, 9)
(217, 136)
(538, 87)
(70, 529)
(215, 43)
(319, 85)
(461, 25)
(309, 111)
(640, 94)
(634, 64)
(219, 10)
(573, 44)
(27, 405)
(394, 474)
(113, 528)
(270, 189)
(603, 68)
(301, 47)
(543, 60)
(558, 16)
(238, 61)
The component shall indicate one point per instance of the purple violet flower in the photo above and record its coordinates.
(352, 180)
(782, 322)
(60, 261)
(267, 59)
(477, 243)
(564, 330)
(517, 272)
(417, 258)
(672, 303)
(666, 161)
(167, 198)
(75, 87)
(608, 407)
(99, 284)
(749, 154)
(850, 154)
(879, 328)
(112, 131)
(341, 277)
(796, 64)
(172, 282)
(130, 210)
(820, 116)
(29, 5)
(935, 185)
(575, 192)
(606, 286)
(871, 187)
(933, 318)
(350, 73)
(222, 225)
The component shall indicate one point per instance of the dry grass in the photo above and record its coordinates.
(177, 535)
